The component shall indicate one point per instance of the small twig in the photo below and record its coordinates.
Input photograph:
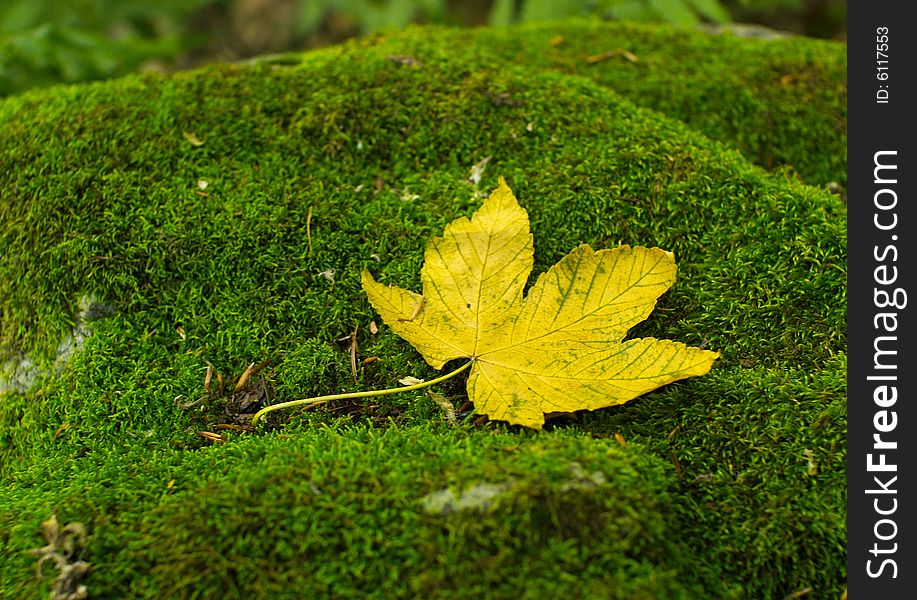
(596, 58)
(673, 432)
(243, 379)
(309, 229)
(260, 366)
(232, 427)
(353, 352)
(213, 437)
(676, 463)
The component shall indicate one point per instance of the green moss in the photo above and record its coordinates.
(352, 160)
(782, 102)
(341, 526)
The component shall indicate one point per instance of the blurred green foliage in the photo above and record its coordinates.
(43, 42)
(369, 16)
(814, 18)
(53, 41)
(682, 12)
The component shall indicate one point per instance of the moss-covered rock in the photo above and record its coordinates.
(781, 101)
(221, 217)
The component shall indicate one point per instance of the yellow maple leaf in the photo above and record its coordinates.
(559, 348)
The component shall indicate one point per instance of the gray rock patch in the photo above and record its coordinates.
(478, 497)
(19, 375)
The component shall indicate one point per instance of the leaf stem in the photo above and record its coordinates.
(320, 399)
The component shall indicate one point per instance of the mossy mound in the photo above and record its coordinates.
(222, 217)
(781, 101)
(355, 512)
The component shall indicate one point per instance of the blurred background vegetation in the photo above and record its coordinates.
(43, 42)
